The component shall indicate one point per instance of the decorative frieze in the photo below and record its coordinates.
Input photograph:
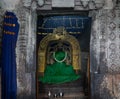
(112, 36)
(76, 4)
(107, 29)
(63, 3)
(113, 42)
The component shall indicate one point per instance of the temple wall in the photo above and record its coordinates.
(104, 45)
(105, 54)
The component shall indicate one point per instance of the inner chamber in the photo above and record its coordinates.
(78, 27)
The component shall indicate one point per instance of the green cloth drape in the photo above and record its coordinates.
(59, 72)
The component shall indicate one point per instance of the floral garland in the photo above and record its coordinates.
(61, 60)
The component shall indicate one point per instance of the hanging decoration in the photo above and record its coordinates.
(9, 38)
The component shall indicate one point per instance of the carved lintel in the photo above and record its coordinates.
(63, 3)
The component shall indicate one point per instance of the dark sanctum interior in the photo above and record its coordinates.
(79, 27)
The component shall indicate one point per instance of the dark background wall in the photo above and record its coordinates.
(78, 25)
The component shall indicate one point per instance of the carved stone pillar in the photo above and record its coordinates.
(26, 51)
(105, 51)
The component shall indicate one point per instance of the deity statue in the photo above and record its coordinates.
(59, 72)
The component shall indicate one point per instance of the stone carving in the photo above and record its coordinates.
(85, 3)
(112, 36)
(108, 4)
(25, 49)
(8, 4)
(27, 3)
(112, 46)
(112, 56)
(113, 52)
(112, 14)
(108, 61)
(22, 36)
(34, 5)
(23, 87)
(112, 25)
(81, 4)
(92, 4)
(114, 68)
(99, 3)
(40, 2)
(63, 3)
(103, 41)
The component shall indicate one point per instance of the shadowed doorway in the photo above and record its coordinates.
(78, 27)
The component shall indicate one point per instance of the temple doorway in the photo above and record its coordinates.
(58, 33)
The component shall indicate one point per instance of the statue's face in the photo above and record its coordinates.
(8, 4)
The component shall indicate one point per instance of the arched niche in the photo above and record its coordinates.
(61, 35)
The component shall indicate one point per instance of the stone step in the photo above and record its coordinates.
(76, 83)
(75, 86)
(66, 96)
(67, 90)
(71, 90)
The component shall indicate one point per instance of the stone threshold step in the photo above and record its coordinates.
(58, 89)
(66, 98)
(66, 95)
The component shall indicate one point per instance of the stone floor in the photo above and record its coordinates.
(71, 90)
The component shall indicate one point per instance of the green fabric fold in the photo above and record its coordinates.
(59, 72)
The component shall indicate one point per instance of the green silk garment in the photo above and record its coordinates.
(59, 72)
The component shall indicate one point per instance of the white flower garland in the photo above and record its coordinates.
(61, 60)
